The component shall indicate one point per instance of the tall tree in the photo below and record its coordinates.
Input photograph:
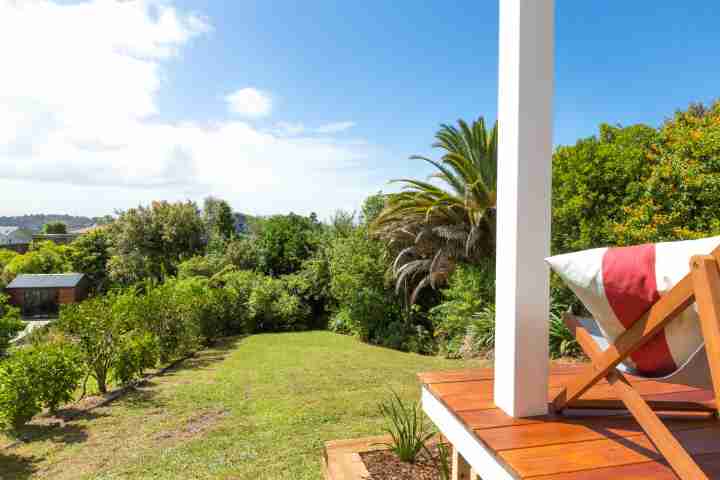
(219, 219)
(54, 228)
(149, 242)
(448, 218)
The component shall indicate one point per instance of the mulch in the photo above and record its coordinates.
(385, 465)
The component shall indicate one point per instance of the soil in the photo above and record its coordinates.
(385, 465)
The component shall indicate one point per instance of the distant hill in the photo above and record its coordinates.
(35, 222)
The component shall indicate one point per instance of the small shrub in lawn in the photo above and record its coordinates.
(407, 427)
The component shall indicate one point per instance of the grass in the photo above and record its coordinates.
(258, 407)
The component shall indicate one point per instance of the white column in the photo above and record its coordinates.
(523, 217)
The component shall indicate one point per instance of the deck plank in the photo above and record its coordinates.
(591, 444)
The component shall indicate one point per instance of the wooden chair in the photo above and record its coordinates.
(702, 286)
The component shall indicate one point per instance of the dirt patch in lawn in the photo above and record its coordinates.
(194, 426)
(385, 465)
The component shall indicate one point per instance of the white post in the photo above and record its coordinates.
(523, 217)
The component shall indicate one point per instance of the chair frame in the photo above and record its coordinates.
(702, 286)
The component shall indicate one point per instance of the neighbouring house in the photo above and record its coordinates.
(42, 294)
(15, 238)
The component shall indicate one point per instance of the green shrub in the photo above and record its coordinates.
(201, 266)
(112, 336)
(239, 285)
(10, 323)
(36, 377)
(273, 308)
(471, 288)
(407, 427)
(58, 372)
(363, 301)
(243, 253)
(19, 400)
(284, 242)
(137, 352)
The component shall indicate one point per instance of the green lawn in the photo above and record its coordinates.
(258, 408)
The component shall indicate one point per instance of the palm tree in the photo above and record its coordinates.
(448, 218)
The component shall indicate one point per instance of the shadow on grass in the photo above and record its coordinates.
(203, 359)
(66, 433)
(15, 467)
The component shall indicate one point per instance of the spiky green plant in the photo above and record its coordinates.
(407, 427)
(441, 461)
(449, 217)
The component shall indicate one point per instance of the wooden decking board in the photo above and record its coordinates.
(593, 445)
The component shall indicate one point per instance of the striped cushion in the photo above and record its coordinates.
(618, 285)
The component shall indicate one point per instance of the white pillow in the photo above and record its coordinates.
(618, 285)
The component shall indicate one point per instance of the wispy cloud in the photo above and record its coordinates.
(335, 127)
(250, 102)
(84, 115)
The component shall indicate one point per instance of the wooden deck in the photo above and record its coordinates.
(584, 445)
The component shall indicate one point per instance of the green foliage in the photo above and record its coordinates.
(54, 228)
(372, 207)
(471, 289)
(678, 198)
(442, 461)
(219, 222)
(272, 307)
(18, 390)
(435, 224)
(58, 372)
(594, 181)
(149, 242)
(43, 257)
(6, 256)
(35, 377)
(137, 352)
(285, 241)
(201, 266)
(90, 255)
(98, 334)
(243, 253)
(407, 427)
(10, 322)
(363, 302)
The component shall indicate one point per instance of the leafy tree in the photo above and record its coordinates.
(438, 225)
(285, 241)
(594, 181)
(54, 228)
(43, 257)
(219, 221)
(364, 304)
(149, 242)
(91, 253)
(243, 253)
(678, 197)
(372, 207)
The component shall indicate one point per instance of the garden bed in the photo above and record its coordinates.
(366, 459)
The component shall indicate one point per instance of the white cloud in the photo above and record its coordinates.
(288, 128)
(81, 131)
(335, 127)
(250, 102)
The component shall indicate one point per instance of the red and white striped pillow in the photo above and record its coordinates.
(617, 285)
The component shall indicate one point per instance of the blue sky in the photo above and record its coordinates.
(351, 89)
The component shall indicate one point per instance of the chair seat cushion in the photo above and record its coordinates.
(618, 285)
